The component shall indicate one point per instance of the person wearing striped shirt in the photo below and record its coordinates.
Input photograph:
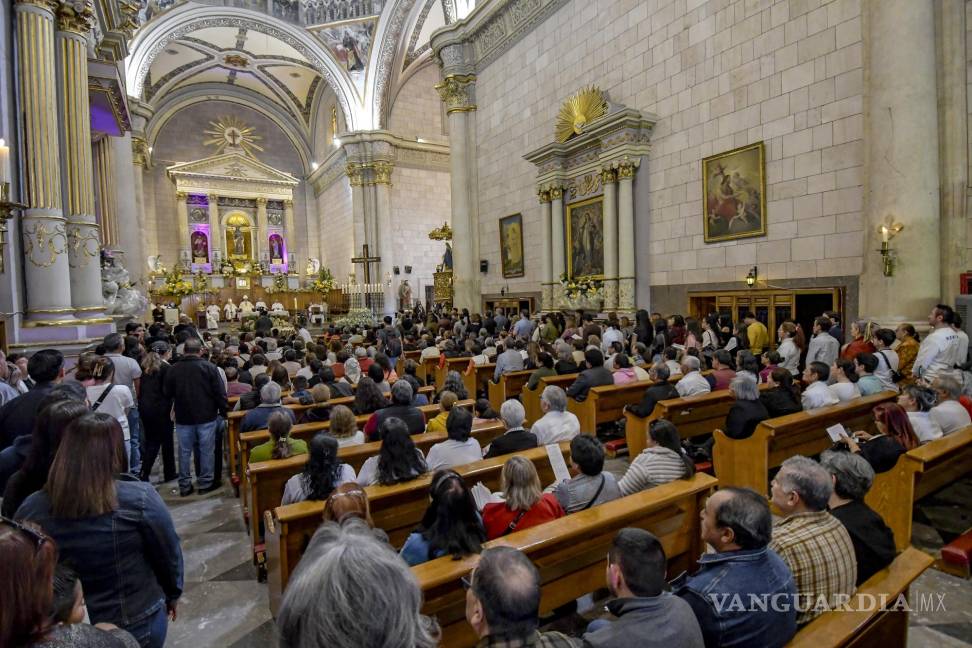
(661, 462)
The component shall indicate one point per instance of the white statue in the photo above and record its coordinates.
(230, 310)
(121, 298)
(261, 305)
(212, 317)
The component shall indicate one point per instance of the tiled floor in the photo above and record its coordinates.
(225, 606)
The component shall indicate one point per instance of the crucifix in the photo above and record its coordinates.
(367, 260)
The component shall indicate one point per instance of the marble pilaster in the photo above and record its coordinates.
(608, 181)
(260, 245)
(546, 281)
(557, 242)
(357, 210)
(128, 217)
(290, 231)
(214, 228)
(386, 245)
(626, 238)
(182, 216)
(903, 179)
(45, 243)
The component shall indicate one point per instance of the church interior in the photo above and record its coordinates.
(330, 186)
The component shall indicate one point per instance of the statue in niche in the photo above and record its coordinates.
(239, 248)
(200, 247)
(404, 295)
(276, 249)
(447, 258)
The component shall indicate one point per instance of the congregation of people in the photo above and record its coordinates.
(91, 557)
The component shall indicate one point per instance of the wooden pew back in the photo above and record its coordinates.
(396, 509)
(509, 386)
(531, 397)
(476, 377)
(570, 552)
(693, 416)
(747, 462)
(451, 364)
(606, 403)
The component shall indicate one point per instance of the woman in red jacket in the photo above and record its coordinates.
(861, 333)
(526, 504)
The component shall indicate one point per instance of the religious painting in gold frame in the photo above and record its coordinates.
(585, 238)
(239, 237)
(734, 194)
(511, 246)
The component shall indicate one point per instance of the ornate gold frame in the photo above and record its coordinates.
(760, 146)
(567, 228)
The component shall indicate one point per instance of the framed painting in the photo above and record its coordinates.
(585, 238)
(734, 193)
(511, 245)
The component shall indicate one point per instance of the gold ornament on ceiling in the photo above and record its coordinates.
(236, 60)
(578, 111)
(233, 135)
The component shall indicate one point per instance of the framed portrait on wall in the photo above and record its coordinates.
(511, 246)
(585, 238)
(734, 194)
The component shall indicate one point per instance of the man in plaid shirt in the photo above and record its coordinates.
(813, 543)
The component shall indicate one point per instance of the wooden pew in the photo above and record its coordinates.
(406, 355)
(426, 370)
(509, 386)
(918, 473)
(265, 480)
(747, 462)
(606, 403)
(860, 627)
(570, 552)
(396, 509)
(451, 364)
(693, 416)
(476, 377)
(531, 397)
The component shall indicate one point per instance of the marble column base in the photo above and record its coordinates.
(626, 294)
(84, 259)
(610, 294)
(557, 296)
(546, 297)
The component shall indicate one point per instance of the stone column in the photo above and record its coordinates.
(953, 128)
(213, 227)
(902, 176)
(45, 244)
(626, 237)
(139, 160)
(260, 244)
(608, 180)
(128, 217)
(458, 91)
(557, 242)
(546, 279)
(74, 22)
(290, 233)
(357, 212)
(105, 192)
(182, 216)
(386, 239)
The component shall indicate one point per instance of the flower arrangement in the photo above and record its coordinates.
(356, 317)
(279, 282)
(325, 282)
(175, 286)
(581, 287)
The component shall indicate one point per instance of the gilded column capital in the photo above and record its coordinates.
(456, 90)
(288, 204)
(129, 10)
(626, 170)
(46, 5)
(543, 195)
(139, 151)
(212, 198)
(354, 174)
(181, 196)
(261, 201)
(383, 171)
(608, 176)
(556, 192)
(76, 16)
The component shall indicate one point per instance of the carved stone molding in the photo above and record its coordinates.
(140, 154)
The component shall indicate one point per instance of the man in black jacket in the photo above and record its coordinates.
(200, 398)
(46, 368)
(401, 408)
(661, 390)
(596, 376)
(516, 437)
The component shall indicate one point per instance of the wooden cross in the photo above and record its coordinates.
(367, 260)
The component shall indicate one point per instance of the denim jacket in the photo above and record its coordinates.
(129, 560)
(755, 575)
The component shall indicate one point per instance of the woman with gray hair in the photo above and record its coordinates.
(747, 411)
(873, 540)
(344, 571)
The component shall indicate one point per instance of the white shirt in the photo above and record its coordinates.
(294, 489)
(950, 416)
(844, 391)
(692, 384)
(126, 371)
(611, 335)
(963, 350)
(818, 395)
(939, 352)
(304, 334)
(554, 427)
(674, 369)
(369, 469)
(355, 439)
(710, 339)
(790, 356)
(926, 428)
(117, 403)
(887, 363)
(449, 454)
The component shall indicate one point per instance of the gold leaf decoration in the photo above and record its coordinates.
(579, 110)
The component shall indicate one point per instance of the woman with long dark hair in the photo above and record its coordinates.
(114, 530)
(368, 399)
(322, 474)
(399, 459)
(783, 395)
(155, 410)
(451, 524)
(662, 461)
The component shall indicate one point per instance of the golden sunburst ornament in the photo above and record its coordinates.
(579, 110)
(233, 134)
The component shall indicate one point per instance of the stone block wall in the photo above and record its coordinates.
(335, 229)
(718, 75)
(417, 110)
(421, 201)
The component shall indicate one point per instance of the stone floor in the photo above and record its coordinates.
(224, 606)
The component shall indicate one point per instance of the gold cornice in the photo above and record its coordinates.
(608, 176)
(626, 170)
(556, 192)
(543, 195)
(48, 5)
(76, 17)
(67, 322)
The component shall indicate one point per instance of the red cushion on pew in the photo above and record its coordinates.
(613, 447)
(704, 466)
(959, 550)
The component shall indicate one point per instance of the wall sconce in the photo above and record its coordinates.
(7, 208)
(751, 277)
(408, 270)
(888, 231)
(397, 270)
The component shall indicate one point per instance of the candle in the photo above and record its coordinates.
(295, 303)
(885, 233)
(4, 162)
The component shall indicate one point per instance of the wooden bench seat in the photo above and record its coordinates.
(747, 462)
(861, 627)
(396, 509)
(476, 377)
(570, 552)
(451, 364)
(402, 359)
(265, 480)
(531, 397)
(918, 473)
(509, 386)
(606, 403)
